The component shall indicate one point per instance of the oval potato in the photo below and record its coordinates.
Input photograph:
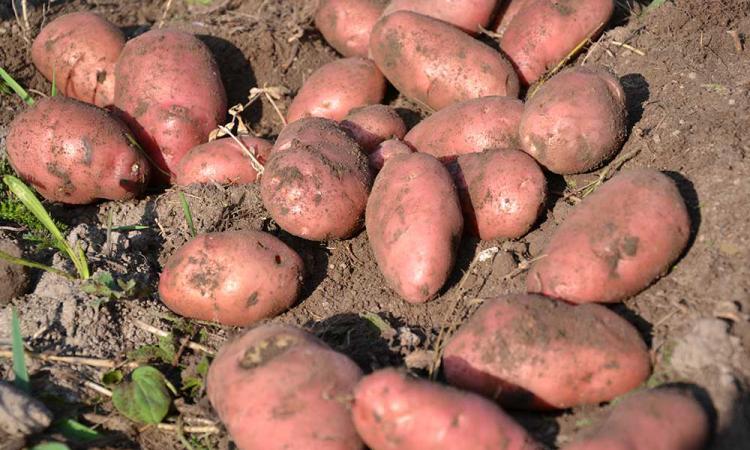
(371, 125)
(346, 24)
(222, 161)
(469, 15)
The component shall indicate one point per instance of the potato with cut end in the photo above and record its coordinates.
(385, 151)
(223, 161)
(371, 125)
(346, 24)
(468, 15)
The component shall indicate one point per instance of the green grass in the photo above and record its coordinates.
(20, 372)
(8, 81)
(188, 214)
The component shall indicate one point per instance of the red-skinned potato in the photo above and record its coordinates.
(278, 387)
(544, 32)
(73, 152)
(151, 94)
(395, 412)
(507, 13)
(233, 277)
(576, 121)
(316, 183)
(530, 352)
(337, 88)
(616, 242)
(222, 161)
(414, 225)
(502, 192)
(468, 15)
(468, 127)
(346, 24)
(385, 151)
(437, 64)
(371, 125)
(79, 50)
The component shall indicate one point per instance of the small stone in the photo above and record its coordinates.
(14, 279)
(20, 413)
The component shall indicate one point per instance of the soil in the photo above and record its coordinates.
(685, 67)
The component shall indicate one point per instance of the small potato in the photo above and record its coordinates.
(508, 11)
(576, 121)
(385, 151)
(544, 32)
(502, 192)
(337, 88)
(436, 64)
(393, 411)
(222, 161)
(371, 125)
(468, 15)
(233, 278)
(79, 51)
(616, 242)
(346, 24)
(316, 182)
(414, 224)
(531, 352)
(75, 153)
(469, 127)
(279, 388)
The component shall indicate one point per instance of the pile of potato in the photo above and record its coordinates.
(477, 166)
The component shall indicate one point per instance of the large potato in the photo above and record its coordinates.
(414, 224)
(531, 352)
(73, 152)
(222, 161)
(79, 50)
(469, 15)
(279, 388)
(576, 121)
(468, 127)
(616, 242)
(337, 88)
(436, 64)
(506, 14)
(371, 125)
(395, 412)
(316, 182)
(346, 24)
(170, 93)
(233, 277)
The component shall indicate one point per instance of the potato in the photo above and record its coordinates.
(576, 121)
(414, 224)
(468, 15)
(385, 151)
(278, 387)
(75, 153)
(78, 51)
(468, 127)
(337, 88)
(531, 352)
(436, 64)
(616, 242)
(393, 411)
(346, 24)
(232, 277)
(502, 192)
(170, 93)
(664, 419)
(506, 14)
(544, 32)
(316, 182)
(222, 161)
(371, 125)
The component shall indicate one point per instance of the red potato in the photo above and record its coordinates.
(346, 24)
(337, 88)
(278, 387)
(508, 11)
(616, 242)
(414, 224)
(436, 64)
(531, 352)
(222, 161)
(385, 151)
(576, 121)
(170, 93)
(79, 51)
(468, 15)
(544, 32)
(468, 127)
(395, 412)
(75, 153)
(371, 125)
(233, 278)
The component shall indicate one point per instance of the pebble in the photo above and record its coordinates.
(20, 413)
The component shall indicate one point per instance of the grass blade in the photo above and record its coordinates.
(34, 265)
(19, 357)
(188, 214)
(53, 90)
(20, 92)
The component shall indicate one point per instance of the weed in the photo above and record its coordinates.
(107, 288)
(9, 82)
(188, 214)
(20, 372)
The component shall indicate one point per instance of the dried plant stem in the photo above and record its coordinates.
(161, 333)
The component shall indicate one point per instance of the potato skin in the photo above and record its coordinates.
(543, 32)
(73, 152)
(338, 87)
(436, 64)
(233, 277)
(278, 387)
(508, 11)
(414, 224)
(468, 127)
(346, 24)
(393, 411)
(530, 352)
(371, 125)
(80, 50)
(222, 161)
(385, 151)
(467, 15)
(616, 242)
(576, 121)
